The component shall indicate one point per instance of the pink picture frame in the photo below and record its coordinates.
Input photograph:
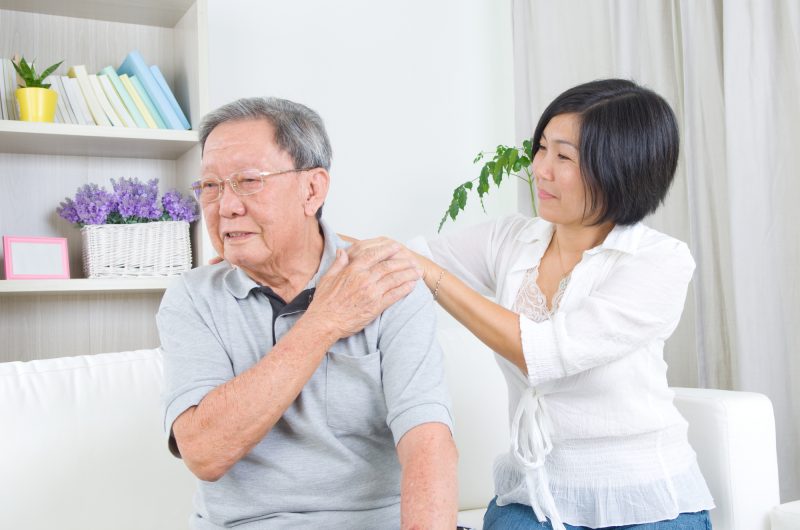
(35, 258)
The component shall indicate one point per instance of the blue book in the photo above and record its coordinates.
(170, 96)
(134, 65)
(123, 94)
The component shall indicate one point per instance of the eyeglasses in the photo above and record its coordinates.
(246, 182)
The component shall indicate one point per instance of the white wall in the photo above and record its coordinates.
(410, 91)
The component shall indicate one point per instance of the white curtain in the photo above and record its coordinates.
(731, 71)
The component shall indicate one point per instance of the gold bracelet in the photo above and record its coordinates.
(439, 281)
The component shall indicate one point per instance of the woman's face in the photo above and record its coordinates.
(556, 166)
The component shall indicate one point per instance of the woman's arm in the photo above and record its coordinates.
(494, 325)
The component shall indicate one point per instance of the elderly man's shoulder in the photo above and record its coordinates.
(206, 274)
(419, 299)
(203, 279)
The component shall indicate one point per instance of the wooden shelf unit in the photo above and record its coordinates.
(41, 163)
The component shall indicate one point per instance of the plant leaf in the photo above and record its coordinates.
(462, 197)
(30, 69)
(18, 69)
(50, 70)
(497, 174)
(483, 182)
(527, 147)
(512, 156)
(453, 210)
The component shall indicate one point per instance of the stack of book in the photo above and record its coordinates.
(133, 95)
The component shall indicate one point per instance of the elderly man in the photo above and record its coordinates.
(304, 389)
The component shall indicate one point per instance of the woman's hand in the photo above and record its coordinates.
(426, 268)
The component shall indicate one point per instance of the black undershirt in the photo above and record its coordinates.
(280, 307)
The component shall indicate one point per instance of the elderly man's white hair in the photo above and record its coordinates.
(298, 130)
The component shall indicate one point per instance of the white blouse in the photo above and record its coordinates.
(595, 438)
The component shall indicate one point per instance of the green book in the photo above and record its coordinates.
(148, 102)
(123, 94)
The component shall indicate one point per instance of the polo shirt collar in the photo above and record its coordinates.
(239, 284)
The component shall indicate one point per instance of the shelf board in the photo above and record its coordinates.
(93, 140)
(165, 13)
(99, 285)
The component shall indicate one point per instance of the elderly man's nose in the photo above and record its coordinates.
(230, 201)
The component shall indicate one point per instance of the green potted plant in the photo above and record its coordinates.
(36, 101)
(506, 161)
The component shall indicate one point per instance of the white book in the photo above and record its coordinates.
(3, 95)
(116, 102)
(63, 101)
(59, 116)
(96, 112)
(110, 113)
(75, 96)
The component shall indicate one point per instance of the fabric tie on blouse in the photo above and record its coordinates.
(530, 445)
(530, 429)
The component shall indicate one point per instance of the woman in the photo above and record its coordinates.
(586, 296)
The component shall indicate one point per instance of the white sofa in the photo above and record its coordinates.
(81, 445)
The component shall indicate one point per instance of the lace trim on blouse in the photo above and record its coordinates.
(532, 302)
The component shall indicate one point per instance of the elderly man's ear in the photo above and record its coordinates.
(315, 189)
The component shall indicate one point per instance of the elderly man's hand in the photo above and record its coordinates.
(356, 290)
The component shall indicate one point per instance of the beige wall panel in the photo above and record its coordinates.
(97, 44)
(46, 326)
(32, 186)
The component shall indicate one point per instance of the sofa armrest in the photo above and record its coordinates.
(786, 516)
(733, 434)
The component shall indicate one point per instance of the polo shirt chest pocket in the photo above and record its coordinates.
(354, 393)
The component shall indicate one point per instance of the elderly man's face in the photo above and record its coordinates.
(251, 231)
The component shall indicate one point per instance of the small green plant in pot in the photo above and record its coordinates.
(505, 162)
(36, 101)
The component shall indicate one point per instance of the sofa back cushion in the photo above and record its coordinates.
(480, 407)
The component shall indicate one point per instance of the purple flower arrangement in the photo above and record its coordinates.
(131, 201)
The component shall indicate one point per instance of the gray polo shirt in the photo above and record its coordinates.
(330, 461)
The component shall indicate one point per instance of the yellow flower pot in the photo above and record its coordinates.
(37, 104)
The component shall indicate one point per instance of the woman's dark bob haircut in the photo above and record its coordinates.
(628, 149)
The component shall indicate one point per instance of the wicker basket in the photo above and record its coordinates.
(142, 249)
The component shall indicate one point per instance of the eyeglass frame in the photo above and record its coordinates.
(229, 180)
